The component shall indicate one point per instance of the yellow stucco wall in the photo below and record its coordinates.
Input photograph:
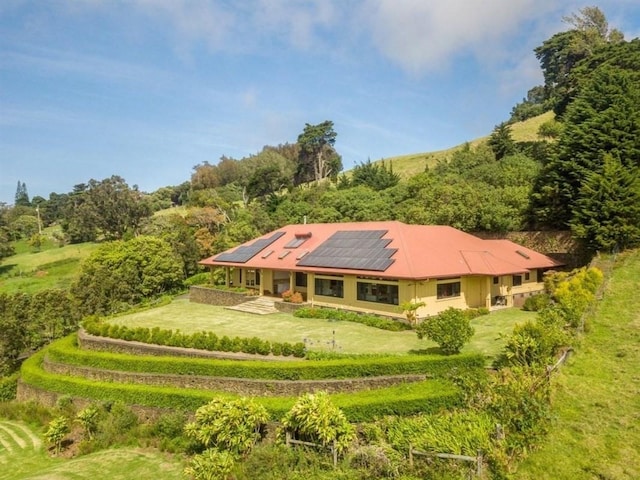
(475, 291)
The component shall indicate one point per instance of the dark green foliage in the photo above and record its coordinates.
(22, 197)
(28, 321)
(376, 176)
(120, 274)
(449, 329)
(317, 158)
(501, 142)
(530, 107)
(347, 316)
(607, 212)
(603, 119)
(103, 209)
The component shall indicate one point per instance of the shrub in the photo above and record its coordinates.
(449, 329)
(346, 316)
(532, 344)
(8, 387)
(212, 464)
(315, 419)
(57, 429)
(234, 426)
(536, 302)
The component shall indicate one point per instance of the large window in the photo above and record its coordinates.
(448, 290)
(301, 279)
(517, 280)
(378, 293)
(329, 287)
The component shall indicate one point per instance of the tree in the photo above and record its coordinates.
(450, 329)
(120, 274)
(501, 141)
(373, 175)
(108, 208)
(603, 118)
(22, 197)
(607, 212)
(318, 159)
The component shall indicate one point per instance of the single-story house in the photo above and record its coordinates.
(377, 266)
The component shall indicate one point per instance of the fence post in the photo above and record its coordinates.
(287, 438)
(479, 464)
(411, 455)
(335, 453)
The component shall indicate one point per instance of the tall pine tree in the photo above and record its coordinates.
(607, 212)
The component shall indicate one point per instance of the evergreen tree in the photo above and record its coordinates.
(501, 141)
(22, 197)
(607, 213)
(604, 118)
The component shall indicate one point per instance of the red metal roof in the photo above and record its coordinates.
(423, 251)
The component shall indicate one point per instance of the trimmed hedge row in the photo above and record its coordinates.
(200, 340)
(347, 316)
(436, 366)
(428, 396)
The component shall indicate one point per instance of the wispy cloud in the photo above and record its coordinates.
(427, 36)
(49, 61)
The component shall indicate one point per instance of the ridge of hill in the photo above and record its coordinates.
(414, 163)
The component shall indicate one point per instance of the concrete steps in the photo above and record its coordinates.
(258, 306)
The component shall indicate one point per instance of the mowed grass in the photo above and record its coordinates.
(53, 267)
(319, 334)
(596, 434)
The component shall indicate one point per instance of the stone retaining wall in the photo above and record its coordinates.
(239, 386)
(212, 296)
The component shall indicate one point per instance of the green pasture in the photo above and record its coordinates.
(52, 267)
(596, 404)
(24, 457)
(414, 163)
(320, 335)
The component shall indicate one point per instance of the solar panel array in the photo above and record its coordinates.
(244, 253)
(353, 250)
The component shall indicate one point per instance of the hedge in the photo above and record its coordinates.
(427, 396)
(200, 340)
(347, 316)
(435, 366)
(8, 387)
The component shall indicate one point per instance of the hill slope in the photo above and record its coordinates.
(414, 163)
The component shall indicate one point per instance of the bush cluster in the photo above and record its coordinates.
(200, 340)
(346, 316)
(8, 387)
(450, 329)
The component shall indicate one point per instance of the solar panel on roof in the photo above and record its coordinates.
(244, 253)
(354, 250)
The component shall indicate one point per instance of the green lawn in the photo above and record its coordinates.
(596, 434)
(23, 457)
(53, 267)
(320, 334)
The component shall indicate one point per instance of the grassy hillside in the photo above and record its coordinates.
(412, 164)
(52, 267)
(22, 456)
(596, 433)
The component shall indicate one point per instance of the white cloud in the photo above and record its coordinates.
(426, 36)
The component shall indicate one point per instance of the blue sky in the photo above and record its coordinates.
(147, 89)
